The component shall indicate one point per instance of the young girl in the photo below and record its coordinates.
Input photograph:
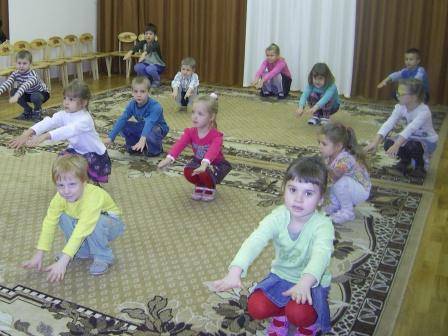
(297, 288)
(418, 140)
(150, 63)
(273, 76)
(208, 166)
(76, 125)
(87, 215)
(321, 95)
(346, 164)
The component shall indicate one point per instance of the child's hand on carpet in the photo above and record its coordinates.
(56, 271)
(35, 261)
(299, 111)
(165, 163)
(21, 140)
(231, 280)
(107, 142)
(37, 140)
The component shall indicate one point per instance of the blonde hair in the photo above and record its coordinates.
(78, 89)
(70, 163)
(141, 80)
(273, 47)
(414, 87)
(211, 102)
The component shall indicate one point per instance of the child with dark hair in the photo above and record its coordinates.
(296, 290)
(150, 63)
(413, 69)
(321, 94)
(30, 88)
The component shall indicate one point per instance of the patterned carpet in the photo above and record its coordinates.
(173, 246)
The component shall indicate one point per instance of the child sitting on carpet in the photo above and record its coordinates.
(30, 88)
(273, 76)
(321, 95)
(418, 140)
(346, 164)
(297, 288)
(76, 125)
(150, 128)
(186, 82)
(208, 166)
(87, 215)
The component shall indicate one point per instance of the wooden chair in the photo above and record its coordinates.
(73, 55)
(6, 60)
(55, 57)
(126, 41)
(38, 50)
(87, 49)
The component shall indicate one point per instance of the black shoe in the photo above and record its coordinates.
(418, 172)
(36, 115)
(25, 116)
(265, 94)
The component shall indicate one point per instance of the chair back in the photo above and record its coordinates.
(71, 46)
(141, 37)
(126, 41)
(38, 49)
(55, 47)
(21, 45)
(86, 44)
(6, 55)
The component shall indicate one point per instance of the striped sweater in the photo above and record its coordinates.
(27, 82)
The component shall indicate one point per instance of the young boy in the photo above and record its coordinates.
(30, 88)
(87, 215)
(150, 128)
(412, 70)
(186, 82)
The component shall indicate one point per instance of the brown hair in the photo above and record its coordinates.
(189, 61)
(141, 80)
(310, 169)
(78, 89)
(70, 163)
(321, 69)
(24, 54)
(414, 87)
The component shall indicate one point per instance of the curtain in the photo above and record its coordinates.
(211, 31)
(307, 32)
(385, 29)
(4, 16)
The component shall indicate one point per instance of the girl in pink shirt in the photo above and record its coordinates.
(208, 166)
(273, 77)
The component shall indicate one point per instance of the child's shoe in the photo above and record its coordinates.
(308, 331)
(402, 166)
(26, 115)
(418, 172)
(36, 115)
(197, 193)
(324, 121)
(278, 327)
(342, 215)
(314, 121)
(265, 94)
(98, 268)
(281, 96)
(208, 195)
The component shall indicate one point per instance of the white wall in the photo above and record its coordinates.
(30, 19)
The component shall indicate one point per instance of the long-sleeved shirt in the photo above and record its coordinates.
(208, 147)
(344, 164)
(185, 82)
(153, 53)
(328, 93)
(76, 127)
(27, 82)
(268, 70)
(417, 73)
(419, 123)
(151, 113)
(310, 253)
(87, 210)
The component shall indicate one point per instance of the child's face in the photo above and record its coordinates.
(23, 65)
(200, 116)
(70, 187)
(301, 199)
(140, 92)
(271, 56)
(404, 98)
(149, 36)
(411, 60)
(72, 104)
(327, 148)
(186, 70)
(318, 81)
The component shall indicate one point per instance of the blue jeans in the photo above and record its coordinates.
(107, 228)
(132, 131)
(152, 71)
(37, 98)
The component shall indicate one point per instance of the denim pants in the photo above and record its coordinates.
(107, 229)
(37, 98)
(132, 131)
(346, 192)
(152, 71)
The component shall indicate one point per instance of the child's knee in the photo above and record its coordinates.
(301, 315)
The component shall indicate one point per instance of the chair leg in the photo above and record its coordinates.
(94, 66)
(47, 78)
(79, 72)
(128, 67)
(108, 60)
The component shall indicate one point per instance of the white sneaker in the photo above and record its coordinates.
(314, 121)
(342, 216)
(324, 121)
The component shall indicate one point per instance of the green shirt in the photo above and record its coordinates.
(87, 210)
(309, 253)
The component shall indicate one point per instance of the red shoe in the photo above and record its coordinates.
(278, 327)
(197, 194)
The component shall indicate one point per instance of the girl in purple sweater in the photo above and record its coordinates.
(208, 166)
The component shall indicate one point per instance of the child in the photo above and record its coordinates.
(30, 88)
(208, 166)
(418, 140)
(412, 70)
(296, 289)
(346, 164)
(76, 125)
(321, 95)
(273, 76)
(150, 63)
(187, 81)
(150, 128)
(87, 215)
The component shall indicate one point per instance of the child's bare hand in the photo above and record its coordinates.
(300, 294)
(140, 145)
(299, 111)
(370, 148)
(199, 170)
(174, 94)
(164, 164)
(259, 84)
(56, 271)
(35, 261)
(107, 142)
(13, 99)
(18, 141)
(227, 283)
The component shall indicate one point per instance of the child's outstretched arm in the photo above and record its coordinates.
(231, 280)
(371, 147)
(22, 139)
(301, 292)
(383, 83)
(165, 163)
(35, 141)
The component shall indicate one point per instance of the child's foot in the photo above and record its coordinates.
(324, 121)
(197, 193)
(208, 195)
(314, 121)
(418, 172)
(36, 115)
(98, 268)
(26, 115)
(402, 167)
(265, 93)
(278, 326)
(309, 331)
(341, 216)
(281, 96)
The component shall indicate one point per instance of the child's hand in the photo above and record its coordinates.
(35, 261)
(299, 111)
(13, 99)
(231, 280)
(164, 164)
(35, 141)
(301, 292)
(314, 109)
(371, 147)
(107, 142)
(18, 141)
(393, 150)
(56, 271)
(140, 145)
(202, 168)
(259, 83)
(382, 84)
(127, 56)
